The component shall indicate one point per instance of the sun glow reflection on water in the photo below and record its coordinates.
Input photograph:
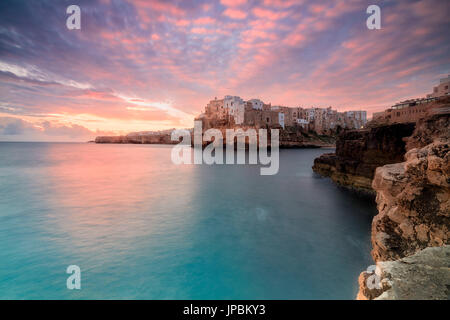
(141, 227)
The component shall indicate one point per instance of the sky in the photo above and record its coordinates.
(139, 65)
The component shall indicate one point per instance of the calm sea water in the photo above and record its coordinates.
(140, 227)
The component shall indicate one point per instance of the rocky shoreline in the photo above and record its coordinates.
(360, 152)
(407, 167)
(413, 200)
(290, 138)
(424, 275)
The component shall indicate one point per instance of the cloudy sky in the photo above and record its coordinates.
(154, 64)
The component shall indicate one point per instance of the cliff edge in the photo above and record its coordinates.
(422, 276)
(360, 152)
(413, 200)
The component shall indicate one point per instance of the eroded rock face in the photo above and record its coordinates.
(360, 152)
(295, 137)
(422, 276)
(434, 127)
(411, 233)
(413, 199)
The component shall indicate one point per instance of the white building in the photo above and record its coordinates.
(302, 122)
(358, 115)
(310, 114)
(281, 119)
(236, 108)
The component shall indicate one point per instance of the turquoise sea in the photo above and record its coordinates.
(140, 227)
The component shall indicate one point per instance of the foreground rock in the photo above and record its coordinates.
(360, 152)
(422, 276)
(413, 199)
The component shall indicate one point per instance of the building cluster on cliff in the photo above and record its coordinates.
(415, 109)
(234, 111)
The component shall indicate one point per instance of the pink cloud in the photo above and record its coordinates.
(253, 34)
(294, 39)
(204, 20)
(182, 23)
(160, 6)
(233, 3)
(202, 31)
(206, 6)
(151, 10)
(235, 13)
(316, 8)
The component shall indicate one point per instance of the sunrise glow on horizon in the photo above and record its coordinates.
(142, 65)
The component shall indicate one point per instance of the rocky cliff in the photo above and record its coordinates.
(413, 199)
(360, 152)
(290, 137)
(295, 137)
(422, 276)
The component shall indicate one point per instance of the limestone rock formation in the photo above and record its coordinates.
(413, 199)
(411, 233)
(289, 138)
(434, 127)
(422, 276)
(360, 152)
(295, 137)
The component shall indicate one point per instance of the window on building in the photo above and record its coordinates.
(268, 120)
